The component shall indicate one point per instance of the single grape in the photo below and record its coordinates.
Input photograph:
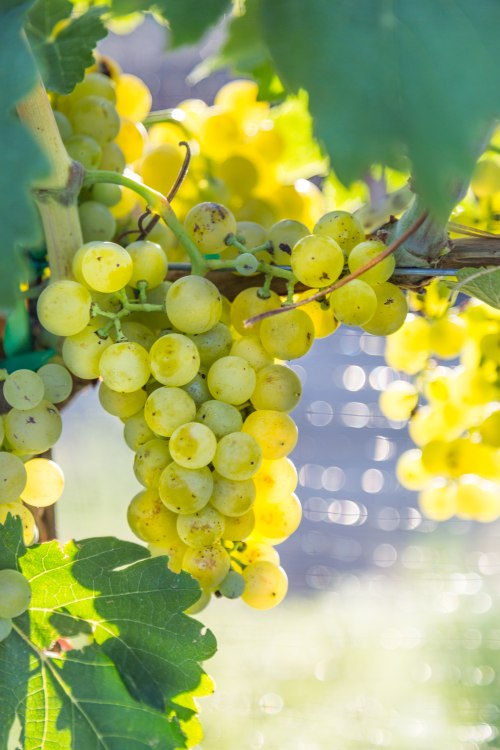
(136, 431)
(411, 472)
(197, 388)
(84, 149)
(17, 509)
(220, 417)
(283, 236)
(209, 225)
(23, 389)
(231, 497)
(193, 318)
(57, 382)
(355, 303)
(275, 479)
(239, 173)
(438, 501)
(97, 222)
(185, 490)
(324, 321)
(274, 431)
(238, 456)
(213, 344)
(150, 460)
(447, 337)
(125, 367)
(168, 408)
(160, 167)
(131, 138)
(239, 528)
(139, 333)
(112, 158)
(365, 252)
(277, 387)
(202, 528)
(277, 519)
(45, 483)
(249, 347)
(12, 477)
(342, 227)
(288, 335)
(174, 359)
(15, 593)
(94, 84)
(392, 308)
(63, 308)
(82, 352)
(209, 565)
(33, 430)
(232, 586)
(5, 628)
(265, 585)
(192, 445)
(253, 550)
(231, 379)
(246, 264)
(104, 266)
(150, 263)
(317, 260)
(97, 117)
(398, 400)
(150, 520)
(133, 98)
(248, 303)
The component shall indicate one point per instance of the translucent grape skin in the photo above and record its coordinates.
(209, 224)
(265, 585)
(63, 308)
(15, 593)
(23, 389)
(186, 316)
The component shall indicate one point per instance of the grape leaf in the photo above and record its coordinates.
(483, 283)
(140, 653)
(64, 53)
(17, 333)
(388, 78)
(22, 160)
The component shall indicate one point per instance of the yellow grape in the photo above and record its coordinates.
(321, 313)
(190, 318)
(202, 528)
(317, 260)
(367, 251)
(82, 352)
(133, 98)
(275, 479)
(231, 497)
(342, 227)
(265, 585)
(276, 520)
(131, 138)
(149, 263)
(248, 303)
(104, 266)
(288, 335)
(231, 379)
(411, 471)
(238, 456)
(174, 359)
(26, 516)
(63, 308)
(274, 431)
(398, 400)
(277, 387)
(355, 303)
(192, 445)
(125, 367)
(238, 528)
(438, 501)
(168, 408)
(12, 477)
(392, 308)
(44, 484)
(150, 460)
(209, 565)
(185, 490)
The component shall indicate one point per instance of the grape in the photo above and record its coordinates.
(202, 528)
(232, 586)
(96, 117)
(274, 431)
(131, 139)
(45, 483)
(246, 264)
(408, 349)
(133, 98)
(82, 352)
(12, 477)
(33, 430)
(124, 366)
(112, 158)
(149, 263)
(57, 382)
(321, 314)
(217, 133)
(192, 445)
(63, 307)
(398, 400)
(105, 193)
(84, 149)
(277, 519)
(231, 379)
(476, 501)
(197, 388)
(189, 317)
(15, 593)
(163, 236)
(150, 520)
(238, 96)
(239, 173)
(265, 585)
(231, 497)
(238, 528)
(277, 387)
(275, 479)
(139, 333)
(438, 501)
(288, 335)
(250, 348)
(168, 408)
(213, 344)
(411, 472)
(342, 227)
(238, 456)
(392, 308)
(252, 234)
(5, 628)
(447, 337)
(220, 417)
(27, 520)
(253, 551)
(160, 167)
(150, 460)
(174, 359)
(209, 565)
(136, 431)
(355, 303)
(365, 252)
(209, 225)
(23, 389)
(94, 84)
(97, 222)
(185, 490)
(490, 429)
(248, 303)
(317, 260)
(174, 549)
(283, 236)
(104, 266)
(200, 604)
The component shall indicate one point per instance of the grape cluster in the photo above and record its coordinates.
(29, 428)
(453, 409)
(15, 597)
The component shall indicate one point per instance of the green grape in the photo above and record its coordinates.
(317, 260)
(324, 321)
(283, 236)
(57, 382)
(398, 400)
(84, 149)
(94, 84)
(150, 460)
(82, 352)
(248, 303)
(124, 366)
(150, 520)
(277, 387)
(133, 98)
(33, 430)
(209, 225)
(490, 429)
(174, 359)
(220, 417)
(97, 117)
(173, 549)
(185, 490)
(249, 347)
(231, 379)
(139, 333)
(97, 222)
(231, 497)
(342, 227)
(136, 431)
(438, 501)
(202, 528)
(208, 565)
(149, 263)
(12, 477)
(392, 308)
(355, 303)
(447, 337)
(213, 344)
(238, 528)
(193, 318)
(44, 484)
(277, 519)
(197, 388)
(232, 586)
(367, 251)
(274, 431)
(112, 158)
(288, 335)
(63, 125)
(2, 431)
(246, 264)
(163, 236)
(193, 445)
(15, 593)
(63, 308)
(23, 389)
(252, 235)
(17, 509)
(5, 628)
(265, 585)
(411, 472)
(275, 479)
(254, 550)
(238, 456)
(105, 266)
(166, 409)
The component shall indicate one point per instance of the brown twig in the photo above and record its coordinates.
(182, 173)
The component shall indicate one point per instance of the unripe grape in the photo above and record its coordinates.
(367, 251)
(355, 303)
(232, 586)
(392, 308)
(15, 593)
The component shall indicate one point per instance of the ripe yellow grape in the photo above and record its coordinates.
(12, 477)
(411, 471)
(477, 501)
(192, 445)
(398, 400)
(392, 308)
(213, 344)
(317, 260)
(218, 131)
(277, 519)
(104, 266)
(275, 479)
(277, 387)
(265, 585)
(23, 389)
(231, 497)
(321, 313)
(438, 501)
(367, 251)
(274, 431)
(202, 528)
(133, 98)
(209, 225)
(125, 367)
(57, 382)
(33, 430)
(149, 263)
(209, 565)
(185, 490)
(44, 484)
(231, 379)
(355, 303)
(288, 335)
(238, 456)
(150, 460)
(160, 167)
(174, 359)
(238, 528)
(408, 349)
(254, 550)
(447, 336)
(190, 318)
(150, 520)
(82, 352)
(131, 138)
(63, 308)
(139, 333)
(342, 227)
(167, 408)
(174, 550)
(248, 303)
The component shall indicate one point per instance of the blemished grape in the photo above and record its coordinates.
(33, 430)
(12, 477)
(317, 260)
(57, 382)
(15, 593)
(174, 549)
(202, 528)
(185, 490)
(238, 456)
(231, 379)
(26, 516)
(63, 308)
(365, 252)
(246, 264)
(190, 318)
(355, 303)
(209, 565)
(167, 408)
(266, 585)
(174, 359)
(283, 236)
(232, 586)
(342, 227)
(125, 367)
(249, 303)
(231, 497)
(82, 352)
(23, 389)
(150, 460)
(150, 263)
(274, 431)
(104, 266)
(192, 445)
(220, 417)
(288, 335)
(97, 222)
(150, 520)
(209, 225)
(254, 550)
(45, 483)
(392, 308)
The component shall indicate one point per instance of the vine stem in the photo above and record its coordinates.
(56, 195)
(346, 279)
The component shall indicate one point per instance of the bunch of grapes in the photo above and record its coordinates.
(30, 427)
(453, 410)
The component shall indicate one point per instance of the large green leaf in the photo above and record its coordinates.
(63, 54)
(22, 161)
(126, 688)
(392, 77)
(483, 283)
(190, 19)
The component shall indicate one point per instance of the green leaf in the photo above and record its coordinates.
(63, 56)
(483, 283)
(127, 687)
(389, 78)
(189, 20)
(301, 156)
(22, 162)
(27, 361)
(17, 333)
